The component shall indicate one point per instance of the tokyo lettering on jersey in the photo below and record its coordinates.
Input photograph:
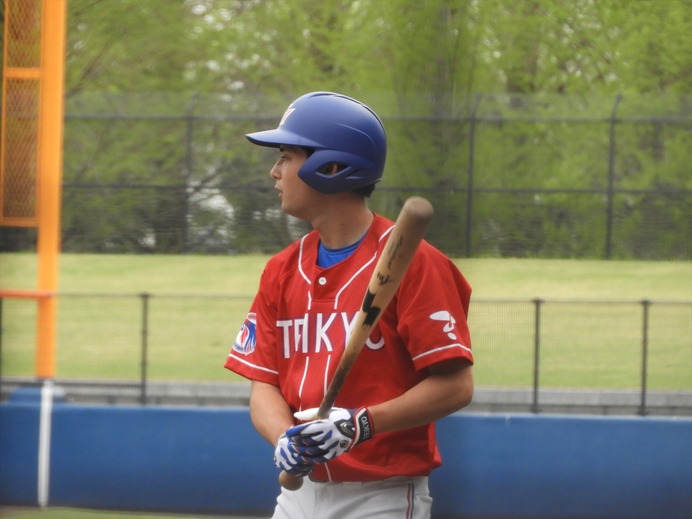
(298, 324)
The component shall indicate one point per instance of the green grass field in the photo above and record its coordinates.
(591, 322)
(71, 513)
(238, 275)
(75, 513)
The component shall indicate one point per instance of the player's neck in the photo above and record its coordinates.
(340, 226)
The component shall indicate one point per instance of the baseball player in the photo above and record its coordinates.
(372, 455)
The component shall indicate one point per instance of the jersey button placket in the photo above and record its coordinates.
(321, 290)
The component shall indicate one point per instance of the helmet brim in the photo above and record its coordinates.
(279, 137)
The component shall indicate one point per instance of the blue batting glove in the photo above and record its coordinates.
(286, 457)
(322, 440)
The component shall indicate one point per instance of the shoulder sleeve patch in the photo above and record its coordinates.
(246, 340)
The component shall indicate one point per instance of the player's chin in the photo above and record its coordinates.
(288, 208)
(295, 207)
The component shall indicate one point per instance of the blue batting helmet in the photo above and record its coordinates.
(338, 129)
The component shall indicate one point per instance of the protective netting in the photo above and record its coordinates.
(21, 88)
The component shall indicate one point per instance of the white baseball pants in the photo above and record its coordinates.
(394, 498)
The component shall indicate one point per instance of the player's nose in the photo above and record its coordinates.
(275, 172)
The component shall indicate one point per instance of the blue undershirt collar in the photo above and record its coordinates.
(328, 257)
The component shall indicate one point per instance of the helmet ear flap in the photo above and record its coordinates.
(331, 168)
(330, 172)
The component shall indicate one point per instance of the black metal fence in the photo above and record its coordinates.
(509, 175)
(531, 355)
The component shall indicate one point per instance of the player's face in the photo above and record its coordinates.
(296, 196)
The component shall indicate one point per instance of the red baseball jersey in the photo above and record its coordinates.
(298, 325)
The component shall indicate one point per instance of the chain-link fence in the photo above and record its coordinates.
(532, 355)
(509, 175)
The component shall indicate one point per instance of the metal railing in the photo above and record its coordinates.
(534, 355)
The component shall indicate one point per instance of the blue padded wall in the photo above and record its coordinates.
(211, 460)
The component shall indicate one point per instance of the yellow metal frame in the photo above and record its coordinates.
(53, 30)
(51, 75)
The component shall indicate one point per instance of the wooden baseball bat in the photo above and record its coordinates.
(396, 257)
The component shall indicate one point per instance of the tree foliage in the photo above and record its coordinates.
(163, 70)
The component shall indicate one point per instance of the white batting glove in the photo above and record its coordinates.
(323, 440)
(287, 458)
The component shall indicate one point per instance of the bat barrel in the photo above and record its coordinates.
(419, 209)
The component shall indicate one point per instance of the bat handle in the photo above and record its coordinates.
(289, 481)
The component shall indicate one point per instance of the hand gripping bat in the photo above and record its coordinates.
(398, 252)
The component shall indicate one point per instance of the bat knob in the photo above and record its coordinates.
(289, 481)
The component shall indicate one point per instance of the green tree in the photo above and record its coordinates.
(181, 81)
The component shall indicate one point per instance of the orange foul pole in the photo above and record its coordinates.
(50, 177)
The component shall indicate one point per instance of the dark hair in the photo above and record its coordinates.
(365, 191)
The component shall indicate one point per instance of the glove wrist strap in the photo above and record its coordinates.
(364, 427)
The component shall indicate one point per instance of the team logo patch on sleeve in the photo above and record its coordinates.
(449, 322)
(246, 339)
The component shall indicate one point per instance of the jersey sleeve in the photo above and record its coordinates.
(432, 305)
(253, 354)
